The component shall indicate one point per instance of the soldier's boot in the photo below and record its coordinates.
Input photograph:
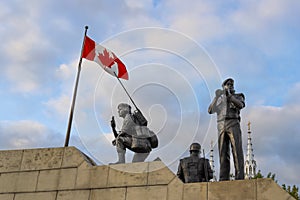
(121, 156)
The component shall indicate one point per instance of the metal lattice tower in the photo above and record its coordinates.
(250, 163)
(211, 161)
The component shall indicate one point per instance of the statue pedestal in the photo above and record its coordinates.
(66, 173)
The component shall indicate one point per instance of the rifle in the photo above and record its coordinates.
(113, 127)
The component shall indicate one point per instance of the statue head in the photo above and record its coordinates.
(124, 109)
(195, 148)
(228, 84)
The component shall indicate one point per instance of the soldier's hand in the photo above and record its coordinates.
(218, 92)
(112, 122)
(228, 93)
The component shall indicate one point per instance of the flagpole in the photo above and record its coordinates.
(75, 93)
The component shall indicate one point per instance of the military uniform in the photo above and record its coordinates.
(192, 169)
(128, 138)
(128, 134)
(227, 107)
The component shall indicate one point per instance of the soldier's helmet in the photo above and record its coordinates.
(195, 147)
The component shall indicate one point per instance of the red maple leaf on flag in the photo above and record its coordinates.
(106, 58)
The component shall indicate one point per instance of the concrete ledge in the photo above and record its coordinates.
(195, 191)
(159, 174)
(73, 195)
(35, 159)
(56, 179)
(73, 158)
(133, 174)
(42, 158)
(227, 190)
(91, 176)
(268, 189)
(175, 189)
(10, 160)
(68, 174)
(7, 196)
(108, 194)
(18, 182)
(147, 193)
(36, 196)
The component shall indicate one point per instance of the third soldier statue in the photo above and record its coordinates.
(193, 168)
(227, 104)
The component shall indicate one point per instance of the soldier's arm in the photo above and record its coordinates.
(212, 107)
(128, 126)
(180, 172)
(238, 101)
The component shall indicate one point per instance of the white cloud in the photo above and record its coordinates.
(25, 48)
(265, 24)
(265, 14)
(22, 51)
(27, 134)
(23, 78)
(40, 40)
(135, 4)
(66, 75)
(59, 107)
(275, 132)
(293, 95)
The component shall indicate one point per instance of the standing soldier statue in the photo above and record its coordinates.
(193, 168)
(227, 104)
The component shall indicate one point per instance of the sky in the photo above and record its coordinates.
(176, 53)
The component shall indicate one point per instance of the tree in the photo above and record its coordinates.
(272, 176)
(293, 191)
(283, 187)
(258, 175)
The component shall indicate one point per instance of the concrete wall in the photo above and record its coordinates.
(67, 174)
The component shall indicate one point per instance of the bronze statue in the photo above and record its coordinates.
(133, 135)
(227, 104)
(193, 168)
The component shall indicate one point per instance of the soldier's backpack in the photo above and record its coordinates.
(142, 130)
(139, 118)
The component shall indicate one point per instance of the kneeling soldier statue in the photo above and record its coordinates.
(193, 168)
(134, 135)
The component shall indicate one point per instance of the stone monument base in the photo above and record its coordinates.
(68, 174)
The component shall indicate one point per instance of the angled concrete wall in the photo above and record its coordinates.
(67, 174)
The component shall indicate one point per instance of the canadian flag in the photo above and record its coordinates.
(104, 57)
